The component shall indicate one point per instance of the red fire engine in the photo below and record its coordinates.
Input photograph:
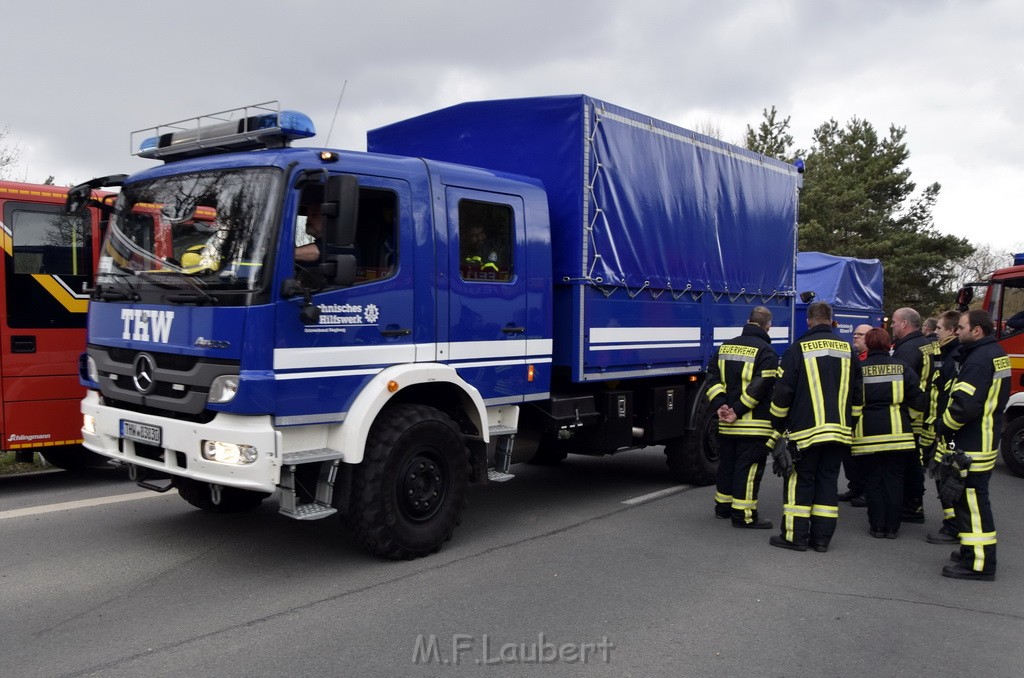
(1004, 299)
(49, 256)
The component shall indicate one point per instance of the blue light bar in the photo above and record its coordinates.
(239, 129)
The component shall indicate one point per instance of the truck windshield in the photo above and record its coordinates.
(208, 230)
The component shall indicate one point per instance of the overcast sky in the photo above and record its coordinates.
(78, 78)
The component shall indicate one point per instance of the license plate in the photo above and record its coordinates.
(142, 433)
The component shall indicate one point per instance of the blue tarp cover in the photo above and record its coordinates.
(843, 282)
(634, 202)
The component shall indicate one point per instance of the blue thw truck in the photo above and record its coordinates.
(491, 283)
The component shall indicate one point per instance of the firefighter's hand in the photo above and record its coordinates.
(933, 467)
(951, 489)
(782, 464)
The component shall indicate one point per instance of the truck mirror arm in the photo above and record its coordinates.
(80, 196)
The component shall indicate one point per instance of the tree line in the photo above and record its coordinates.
(859, 200)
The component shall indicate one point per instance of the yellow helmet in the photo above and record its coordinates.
(198, 258)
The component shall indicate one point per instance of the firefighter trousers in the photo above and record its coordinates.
(976, 525)
(913, 481)
(949, 522)
(810, 508)
(884, 488)
(741, 463)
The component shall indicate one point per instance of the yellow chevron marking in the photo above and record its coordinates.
(58, 292)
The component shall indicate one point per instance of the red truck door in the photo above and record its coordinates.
(46, 259)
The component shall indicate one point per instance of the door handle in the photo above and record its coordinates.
(401, 332)
(23, 344)
(511, 329)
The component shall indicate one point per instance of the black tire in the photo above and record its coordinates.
(548, 456)
(1012, 446)
(693, 458)
(73, 458)
(232, 499)
(550, 451)
(410, 489)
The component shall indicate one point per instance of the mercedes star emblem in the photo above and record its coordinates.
(142, 373)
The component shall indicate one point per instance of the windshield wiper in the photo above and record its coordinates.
(174, 280)
(122, 290)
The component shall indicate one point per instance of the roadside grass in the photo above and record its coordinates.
(9, 464)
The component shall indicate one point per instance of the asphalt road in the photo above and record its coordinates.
(550, 573)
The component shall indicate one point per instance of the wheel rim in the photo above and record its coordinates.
(422, 485)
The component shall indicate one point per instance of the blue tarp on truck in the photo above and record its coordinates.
(662, 239)
(852, 286)
(666, 209)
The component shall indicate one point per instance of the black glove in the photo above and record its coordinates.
(782, 465)
(951, 489)
(933, 467)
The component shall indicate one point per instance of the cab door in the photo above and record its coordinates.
(487, 292)
(362, 329)
(47, 259)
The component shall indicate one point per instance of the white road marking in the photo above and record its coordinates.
(655, 495)
(81, 503)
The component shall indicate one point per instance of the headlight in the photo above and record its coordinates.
(88, 423)
(223, 389)
(228, 453)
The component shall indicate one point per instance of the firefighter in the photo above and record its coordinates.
(885, 433)
(741, 375)
(915, 350)
(853, 466)
(972, 421)
(816, 399)
(943, 371)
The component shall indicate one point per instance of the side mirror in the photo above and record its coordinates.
(78, 198)
(81, 195)
(963, 298)
(341, 269)
(808, 296)
(340, 210)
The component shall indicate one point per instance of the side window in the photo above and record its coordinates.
(45, 240)
(485, 237)
(1012, 305)
(376, 244)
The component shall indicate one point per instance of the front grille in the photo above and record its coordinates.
(203, 417)
(181, 383)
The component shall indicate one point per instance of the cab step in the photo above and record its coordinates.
(314, 510)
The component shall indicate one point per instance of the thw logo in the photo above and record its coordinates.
(142, 325)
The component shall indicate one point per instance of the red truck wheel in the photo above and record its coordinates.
(410, 489)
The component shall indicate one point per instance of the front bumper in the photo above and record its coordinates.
(181, 442)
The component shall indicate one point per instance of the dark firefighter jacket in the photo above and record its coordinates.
(741, 374)
(943, 371)
(892, 400)
(818, 391)
(978, 393)
(916, 350)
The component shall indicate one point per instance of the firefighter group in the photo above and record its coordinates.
(895, 412)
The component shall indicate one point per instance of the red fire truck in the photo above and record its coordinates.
(48, 258)
(1002, 295)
